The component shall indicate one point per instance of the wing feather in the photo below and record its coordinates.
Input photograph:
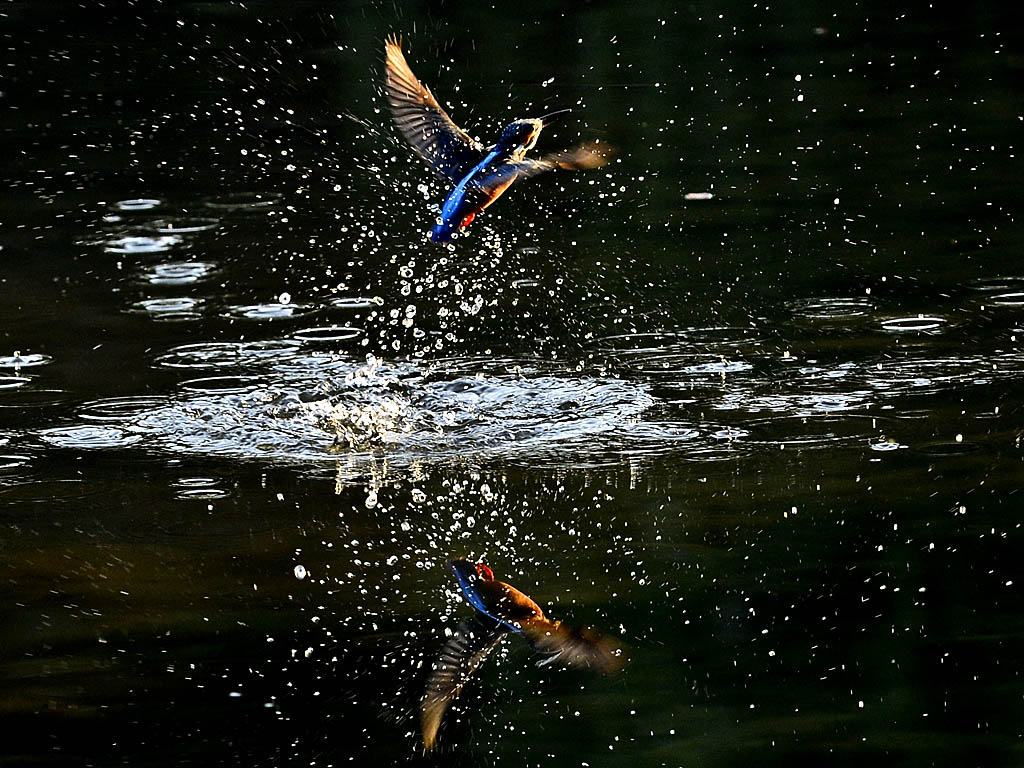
(584, 157)
(573, 646)
(423, 122)
(471, 642)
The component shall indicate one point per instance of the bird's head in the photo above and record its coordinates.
(520, 136)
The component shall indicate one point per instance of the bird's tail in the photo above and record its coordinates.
(573, 646)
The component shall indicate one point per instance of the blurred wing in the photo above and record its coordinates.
(422, 121)
(573, 647)
(584, 157)
(465, 650)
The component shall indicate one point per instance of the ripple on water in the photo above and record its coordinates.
(177, 272)
(223, 384)
(116, 409)
(1014, 299)
(833, 308)
(328, 333)
(229, 354)
(798, 404)
(90, 436)
(716, 335)
(140, 244)
(720, 335)
(719, 367)
(671, 356)
(24, 361)
(1014, 283)
(174, 309)
(929, 375)
(356, 302)
(179, 225)
(13, 461)
(137, 204)
(198, 488)
(918, 324)
(13, 382)
(824, 431)
(47, 491)
(270, 311)
(243, 201)
(948, 448)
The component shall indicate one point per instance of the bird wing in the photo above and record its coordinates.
(464, 651)
(422, 121)
(573, 647)
(590, 154)
(584, 157)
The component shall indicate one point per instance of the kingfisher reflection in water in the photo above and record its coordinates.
(480, 174)
(501, 609)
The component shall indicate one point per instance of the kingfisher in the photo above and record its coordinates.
(501, 609)
(480, 174)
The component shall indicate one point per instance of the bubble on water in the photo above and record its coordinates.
(300, 572)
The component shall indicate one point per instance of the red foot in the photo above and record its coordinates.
(485, 573)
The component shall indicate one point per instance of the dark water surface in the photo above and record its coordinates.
(749, 398)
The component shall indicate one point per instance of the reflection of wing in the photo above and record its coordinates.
(573, 647)
(422, 121)
(581, 158)
(468, 646)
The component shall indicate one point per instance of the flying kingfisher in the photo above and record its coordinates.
(501, 609)
(480, 174)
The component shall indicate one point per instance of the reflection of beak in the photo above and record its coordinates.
(549, 117)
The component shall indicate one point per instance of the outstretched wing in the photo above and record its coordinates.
(584, 157)
(422, 121)
(465, 650)
(573, 647)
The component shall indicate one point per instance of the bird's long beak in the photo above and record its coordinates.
(549, 117)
